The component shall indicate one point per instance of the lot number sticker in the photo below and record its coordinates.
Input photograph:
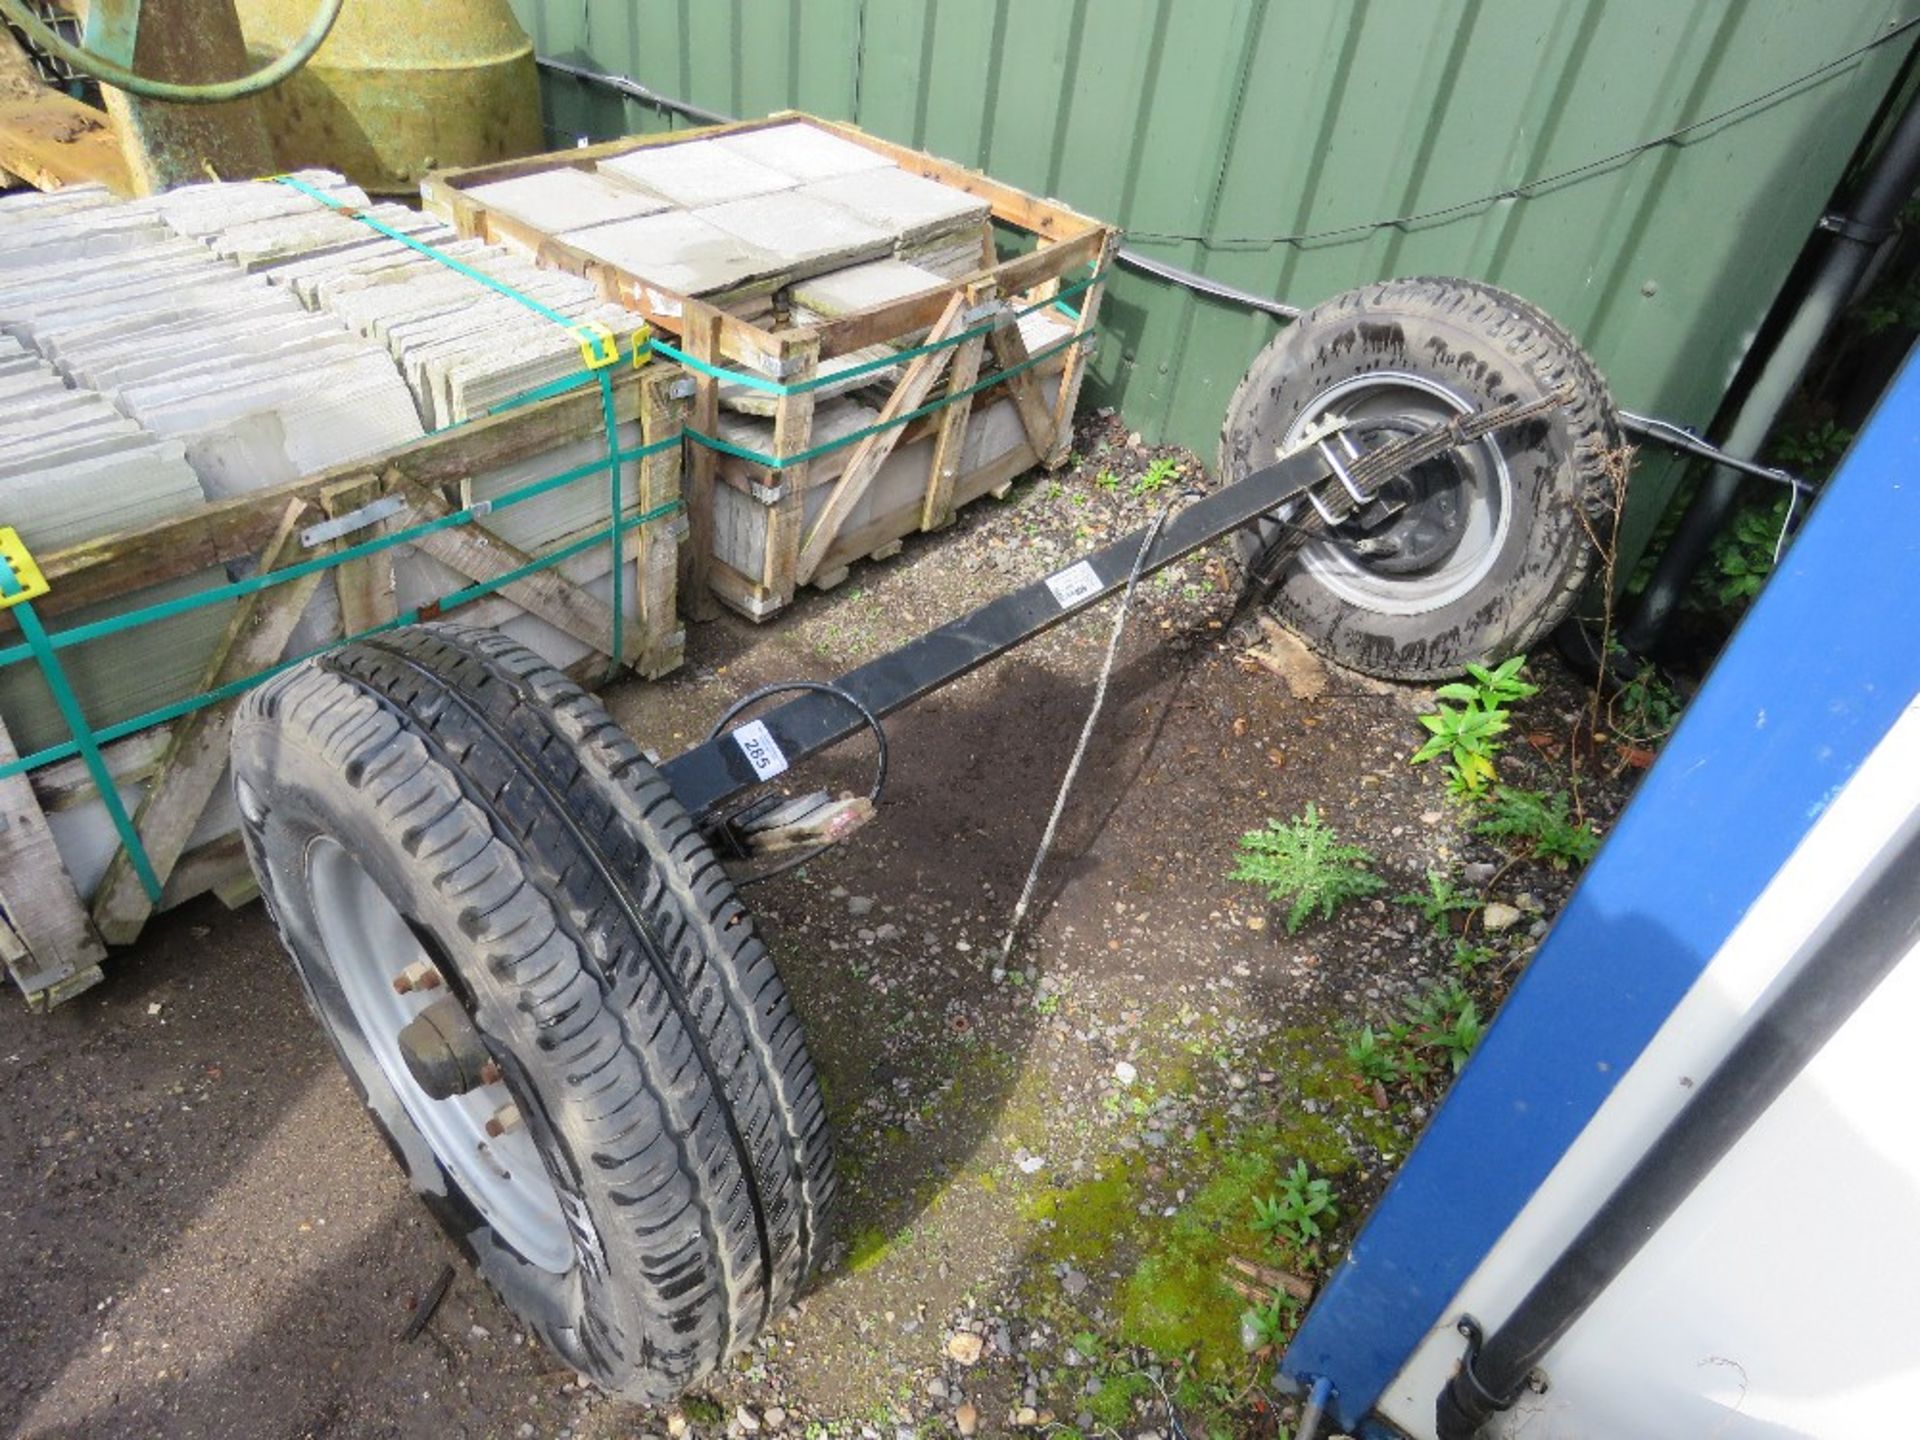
(756, 742)
(1074, 584)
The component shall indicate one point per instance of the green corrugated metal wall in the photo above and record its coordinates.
(1231, 136)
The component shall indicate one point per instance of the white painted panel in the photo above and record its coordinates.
(1783, 1298)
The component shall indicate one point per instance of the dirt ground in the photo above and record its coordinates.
(204, 1237)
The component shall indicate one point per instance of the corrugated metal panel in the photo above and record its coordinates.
(1256, 141)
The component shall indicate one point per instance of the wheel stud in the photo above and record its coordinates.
(489, 1074)
(420, 975)
(503, 1120)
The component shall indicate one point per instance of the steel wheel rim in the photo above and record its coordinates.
(368, 943)
(1488, 493)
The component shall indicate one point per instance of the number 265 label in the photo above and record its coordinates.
(763, 753)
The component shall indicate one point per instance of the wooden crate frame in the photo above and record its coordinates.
(51, 938)
(1066, 243)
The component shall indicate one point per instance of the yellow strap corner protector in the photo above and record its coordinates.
(598, 347)
(642, 346)
(28, 582)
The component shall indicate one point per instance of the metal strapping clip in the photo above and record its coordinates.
(368, 515)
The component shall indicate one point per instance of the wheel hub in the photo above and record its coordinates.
(1430, 535)
(1416, 521)
(474, 1126)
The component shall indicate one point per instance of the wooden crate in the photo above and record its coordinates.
(760, 531)
(58, 913)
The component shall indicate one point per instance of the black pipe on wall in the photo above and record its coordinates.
(1874, 927)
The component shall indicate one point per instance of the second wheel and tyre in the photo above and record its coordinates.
(641, 1167)
(1471, 557)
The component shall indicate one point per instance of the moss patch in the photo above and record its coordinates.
(867, 1249)
(1176, 1300)
(702, 1410)
(1112, 1405)
(1084, 1223)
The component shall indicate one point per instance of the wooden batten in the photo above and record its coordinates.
(47, 940)
(872, 452)
(1078, 356)
(937, 508)
(366, 583)
(178, 794)
(702, 338)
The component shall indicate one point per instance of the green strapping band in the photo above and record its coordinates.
(401, 237)
(161, 715)
(84, 741)
(801, 387)
(772, 462)
(239, 589)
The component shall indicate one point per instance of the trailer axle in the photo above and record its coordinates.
(1333, 481)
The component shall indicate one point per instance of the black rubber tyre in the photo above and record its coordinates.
(543, 864)
(1520, 510)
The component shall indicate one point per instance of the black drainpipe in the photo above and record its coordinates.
(1857, 236)
(1877, 924)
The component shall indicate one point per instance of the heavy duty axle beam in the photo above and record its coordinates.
(729, 764)
(709, 775)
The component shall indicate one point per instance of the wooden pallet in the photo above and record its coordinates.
(55, 935)
(51, 140)
(804, 535)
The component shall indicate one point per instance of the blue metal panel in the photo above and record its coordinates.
(1823, 665)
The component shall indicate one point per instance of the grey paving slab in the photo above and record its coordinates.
(103, 438)
(746, 400)
(951, 255)
(184, 349)
(58, 446)
(29, 380)
(802, 151)
(24, 207)
(806, 234)
(286, 239)
(569, 198)
(678, 251)
(203, 210)
(832, 420)
(697, 173)
(909, 206)
(58, 505)
(861, 287)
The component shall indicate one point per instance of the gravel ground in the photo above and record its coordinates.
(207, 1239)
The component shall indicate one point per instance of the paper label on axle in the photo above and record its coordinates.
(1074, 584)
(756, 742)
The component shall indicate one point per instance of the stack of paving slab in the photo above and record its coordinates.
(788, 219)
(740, 521)
(845, 292)
(744, 220)
(159, 354)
